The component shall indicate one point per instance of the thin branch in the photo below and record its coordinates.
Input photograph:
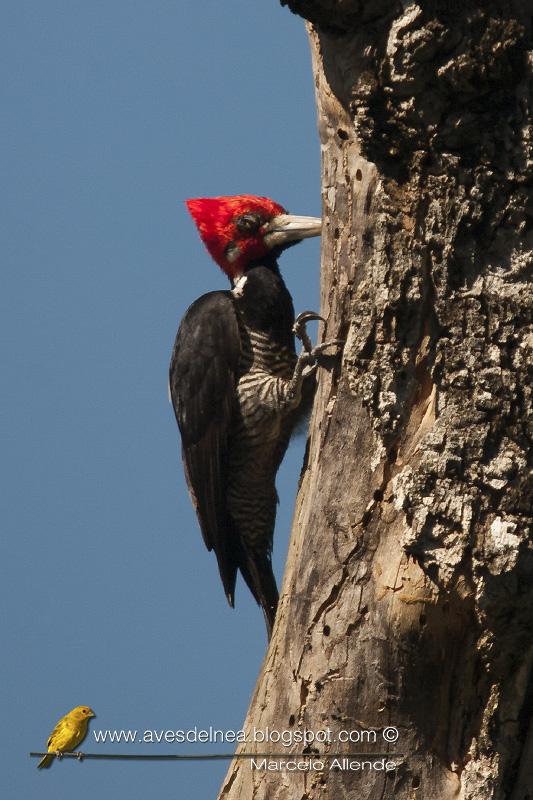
(212, 756)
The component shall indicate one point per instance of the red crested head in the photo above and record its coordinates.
(233, 228)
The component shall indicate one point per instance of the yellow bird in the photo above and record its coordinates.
(68, 733)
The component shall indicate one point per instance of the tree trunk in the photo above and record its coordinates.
(407, 598)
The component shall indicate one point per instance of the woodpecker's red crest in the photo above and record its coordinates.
(232, 228)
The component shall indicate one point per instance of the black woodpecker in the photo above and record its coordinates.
(236, 385)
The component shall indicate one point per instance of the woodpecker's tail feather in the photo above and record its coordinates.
(228, 574)
(257, 571)
(46, 761)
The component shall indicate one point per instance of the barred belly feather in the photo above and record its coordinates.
(257, 438)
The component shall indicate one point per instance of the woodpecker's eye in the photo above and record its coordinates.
(249, 223)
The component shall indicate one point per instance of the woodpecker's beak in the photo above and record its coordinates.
(286, 228)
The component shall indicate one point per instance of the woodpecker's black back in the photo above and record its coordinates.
(203, 375)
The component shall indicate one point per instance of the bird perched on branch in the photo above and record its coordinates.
(69, 732)
(236, 385)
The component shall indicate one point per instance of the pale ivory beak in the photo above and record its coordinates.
(287, 228)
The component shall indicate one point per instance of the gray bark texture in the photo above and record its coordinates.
(408, 596)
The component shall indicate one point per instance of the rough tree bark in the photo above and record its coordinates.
(407, 597)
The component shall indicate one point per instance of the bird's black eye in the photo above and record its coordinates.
(249, 223)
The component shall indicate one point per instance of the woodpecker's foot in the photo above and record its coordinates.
(300, 331)
(306, 364)
(309, 369)
(80, 756)
(309, 359)
(312, 356)
(59, 754)
(319, 349)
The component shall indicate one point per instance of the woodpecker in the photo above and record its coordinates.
(236, 385)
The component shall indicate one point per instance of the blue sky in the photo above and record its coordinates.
(114, 113)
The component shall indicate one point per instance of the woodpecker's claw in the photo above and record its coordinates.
(311, 357)
(80, 756)
(306, 316)
(319, 349)
(300, 331)
(59, 754)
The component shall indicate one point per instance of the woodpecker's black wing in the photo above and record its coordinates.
(203, 376)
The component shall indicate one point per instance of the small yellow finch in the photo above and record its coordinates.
(68, 733)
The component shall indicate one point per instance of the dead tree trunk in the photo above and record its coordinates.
(408, 595)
